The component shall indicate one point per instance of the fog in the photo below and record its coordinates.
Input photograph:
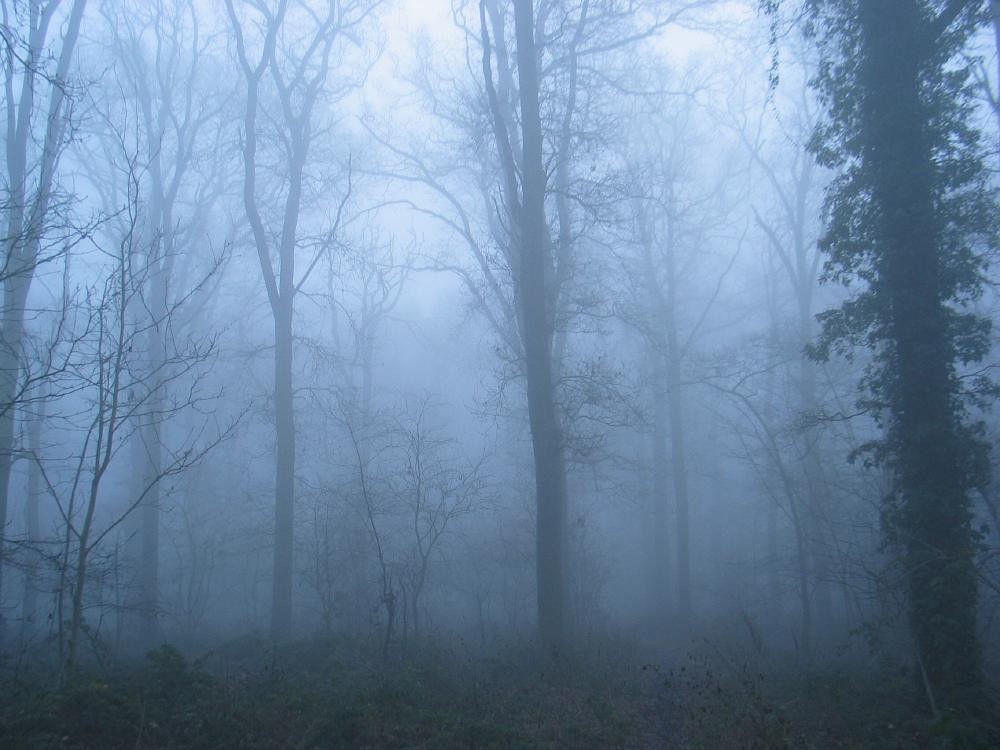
(630, 358)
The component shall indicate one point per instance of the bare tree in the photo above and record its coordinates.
(523, 274)
(122, 386)
(364, 282)
(162, 68)
(38, 43)
(292, 60)
(372, 510)
(413, 486)
(433, 490)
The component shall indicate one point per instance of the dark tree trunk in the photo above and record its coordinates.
(284, 510)
(925, 432)
(33, 523)
(534, 273)
(678, 452)
(678, 462)
(661, 494)
(10, 369)
(151, 442)
(995, 11)
(816, 495)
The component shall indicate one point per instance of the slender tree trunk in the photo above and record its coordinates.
(535, 274)
(281, 291)
(680, 480)
(418, 589)
(15, 292)
(33, 526)
(776, 600)
(481, 620)
(283, 308)
(80, 575)
(995, 11)
(284, 508)
(658, 350)
(795, 512)
(159, 241)
(149, 524)
(802, 571)
(678, 453)
(151, 441)
(816, 492)
(661, 493)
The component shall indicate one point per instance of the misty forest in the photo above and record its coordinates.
(499, 374)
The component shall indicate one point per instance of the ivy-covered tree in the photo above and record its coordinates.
(907, 219)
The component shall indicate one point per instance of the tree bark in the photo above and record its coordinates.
(150, 431)
(678, 460)
(995, 11)
(934, 516)
(284, 507)
(678, 452)
(534, 273)
(15, 292)
(661, 496)
(33, 500)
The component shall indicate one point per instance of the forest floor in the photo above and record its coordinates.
(340, 694)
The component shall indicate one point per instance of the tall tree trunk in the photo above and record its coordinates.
(678, 461)
(25, 221)
(802, 572)
(934, 518)
(280, 285)
(33, 500)
(535, 273)
(284, 506)
(80, 574)
(149, 531)
(15, 291)
(995, 11)
(151, 438)
(661, 493)
(678, 453)
(816, 494)
(658, 350)
(775, 598)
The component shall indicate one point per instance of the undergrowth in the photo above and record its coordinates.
(340, 694)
